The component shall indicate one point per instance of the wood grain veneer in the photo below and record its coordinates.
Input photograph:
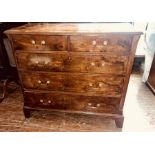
(77, 68)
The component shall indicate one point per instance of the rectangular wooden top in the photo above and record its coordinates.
(73, 28)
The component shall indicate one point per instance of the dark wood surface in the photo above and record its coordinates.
(87, 46)
(39, 42)
(105, 43)
(74, 82)
(74, 28)
(69, 62)
(70, 102)
(129, 70)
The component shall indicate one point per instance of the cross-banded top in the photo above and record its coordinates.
(73, 28)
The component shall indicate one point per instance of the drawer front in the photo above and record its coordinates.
(65, 62)
(114, 44)
(39, 42)
(95, 84)
(72, 102)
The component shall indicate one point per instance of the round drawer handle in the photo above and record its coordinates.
(92, 64)
(39, 81)
(37, 62)
(94, 42)
(46, 62)
(105, 42)
(48, 82)
(100, 84)
(89, 104)
(33, 42)
(41, 100)
(98, 105)
(90, 84)
(49, 101)
(103, 64)
(43, 42)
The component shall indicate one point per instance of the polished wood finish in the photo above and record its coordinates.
(75, 68)
(73, 82)
(151, 78)
(129, 69)
(37, 42)
(70, 102)
(74, 29)
(111, 43)
(69, 62)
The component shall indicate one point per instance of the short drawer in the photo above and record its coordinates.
(72, 102)
(115, 44)
(65, 62)
(69, 82)
(39, 42)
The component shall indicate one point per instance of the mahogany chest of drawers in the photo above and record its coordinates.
(76, 68)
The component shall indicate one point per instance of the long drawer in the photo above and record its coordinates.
(107, 43)
(39, 42)
(71, 62)
(68, 101)
(73, 82)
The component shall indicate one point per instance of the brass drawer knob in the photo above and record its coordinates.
(105, 42)
(33, 42)
(94, 42)
(39, 81)
(92, 64)
(43, 63)
(41, 100)
(90, 84)
(48, 82)
(43, 42)
(100, 84)
(89, 104)
(98, 105)
(103, 64)
(46, 62)
(49, 101)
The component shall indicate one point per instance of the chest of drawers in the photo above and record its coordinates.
(76, 68)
